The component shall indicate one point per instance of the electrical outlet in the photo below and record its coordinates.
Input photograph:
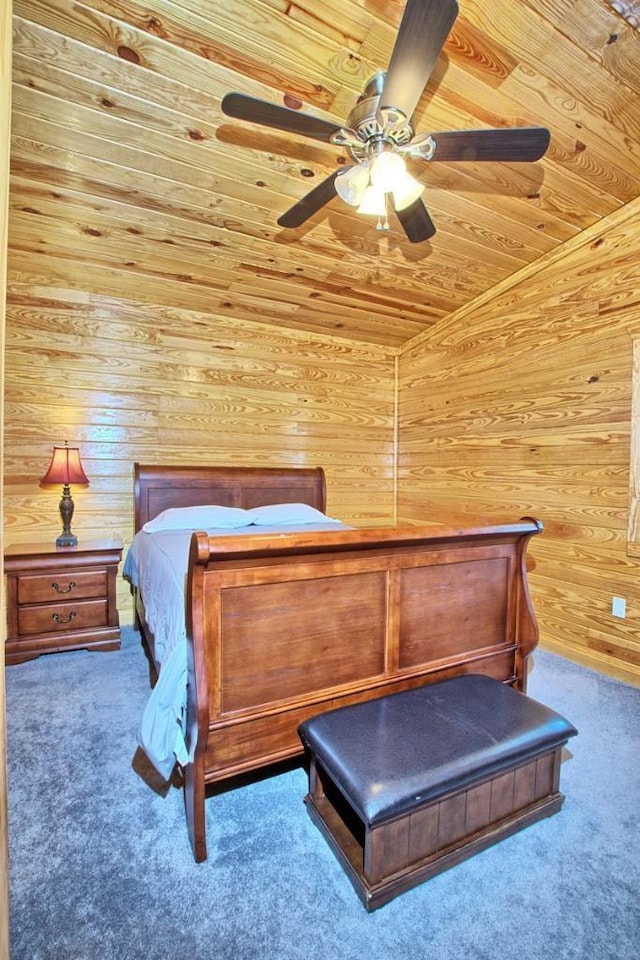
(619, 607)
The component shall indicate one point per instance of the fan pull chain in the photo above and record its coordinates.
(383, 224)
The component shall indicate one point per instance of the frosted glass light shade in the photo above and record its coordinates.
(351, 185)
(373, 202)
(387, 171)
(389, 174)
(406, 191)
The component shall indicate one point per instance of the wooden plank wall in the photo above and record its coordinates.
(521, 405)
(131, 381)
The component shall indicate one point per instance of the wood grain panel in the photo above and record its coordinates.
(346, 639)
(430, 602)
(523, 406)
(130, 381)
(118, 133)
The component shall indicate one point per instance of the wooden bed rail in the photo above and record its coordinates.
(205, 548)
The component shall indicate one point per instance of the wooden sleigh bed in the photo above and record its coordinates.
(280, 628)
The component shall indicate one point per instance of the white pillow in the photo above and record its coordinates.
(276, 514)
(209, 517)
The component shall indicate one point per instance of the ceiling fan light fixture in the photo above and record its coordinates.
(379, 132)
(351, 184)
(389, 174)
(374, 202)
(387, 169)
(406, 192)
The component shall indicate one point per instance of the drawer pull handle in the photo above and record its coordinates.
(59, 589)
(59, 619)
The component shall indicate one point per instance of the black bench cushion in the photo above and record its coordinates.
(395, 753)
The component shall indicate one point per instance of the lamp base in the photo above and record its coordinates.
(67, 540)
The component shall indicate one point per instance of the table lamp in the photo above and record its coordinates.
(65, 468)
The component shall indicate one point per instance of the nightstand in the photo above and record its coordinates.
(61, 598)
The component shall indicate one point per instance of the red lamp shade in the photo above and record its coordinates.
(65, 467)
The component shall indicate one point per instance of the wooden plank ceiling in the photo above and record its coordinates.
(122, 159)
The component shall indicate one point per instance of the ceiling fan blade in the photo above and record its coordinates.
(424, 27)
(506, 144)
(271, 115)
(300, 212)
(416, 222)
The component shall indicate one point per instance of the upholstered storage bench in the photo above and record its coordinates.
(404, 786)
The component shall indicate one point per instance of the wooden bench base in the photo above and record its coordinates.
(410, 784)
(385, 860)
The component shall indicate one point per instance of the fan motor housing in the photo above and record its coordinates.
(364, 120)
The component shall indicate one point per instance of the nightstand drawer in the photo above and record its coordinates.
(63, 617)
(62, 586)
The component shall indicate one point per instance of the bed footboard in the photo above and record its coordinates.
(287, 627)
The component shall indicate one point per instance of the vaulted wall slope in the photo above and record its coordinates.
(521, 405)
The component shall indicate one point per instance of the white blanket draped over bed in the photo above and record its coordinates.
(156, 564)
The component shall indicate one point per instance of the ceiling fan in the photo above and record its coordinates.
(379, 134)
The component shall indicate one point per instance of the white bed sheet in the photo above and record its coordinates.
(156, 564)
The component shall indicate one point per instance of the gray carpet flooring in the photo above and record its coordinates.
(100, 863)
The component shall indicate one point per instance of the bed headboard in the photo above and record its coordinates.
(157, 487)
